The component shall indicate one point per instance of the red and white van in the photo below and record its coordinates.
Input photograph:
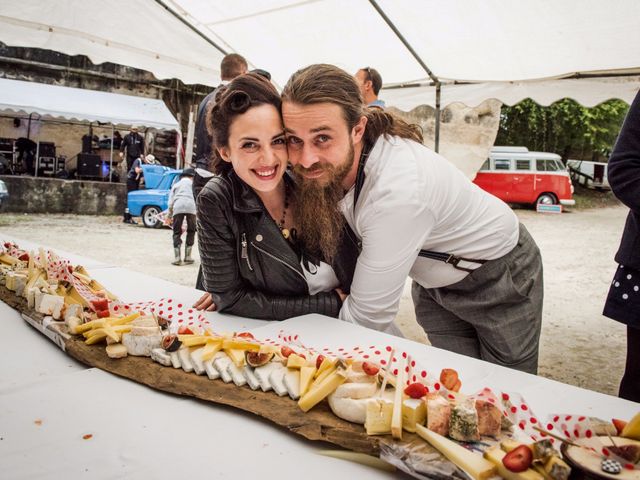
(516, 175)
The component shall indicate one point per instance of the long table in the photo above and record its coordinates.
(59, 419)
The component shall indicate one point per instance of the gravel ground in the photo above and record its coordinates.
(579, 346)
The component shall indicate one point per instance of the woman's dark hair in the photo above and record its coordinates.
(230, 101)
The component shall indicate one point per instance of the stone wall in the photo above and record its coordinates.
(466, 133)
(50, 195)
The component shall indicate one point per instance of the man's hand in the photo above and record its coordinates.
(205, 303)
(121, 154)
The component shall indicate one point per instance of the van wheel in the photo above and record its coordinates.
(546, 199)
(149, 219)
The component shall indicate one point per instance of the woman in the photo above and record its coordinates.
(623, 301)
(251, 261)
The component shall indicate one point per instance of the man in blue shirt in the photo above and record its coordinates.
(370, 83)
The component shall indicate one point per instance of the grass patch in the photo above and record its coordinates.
(587, 198)
(9, 219)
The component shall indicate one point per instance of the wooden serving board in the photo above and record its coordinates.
(317, 424)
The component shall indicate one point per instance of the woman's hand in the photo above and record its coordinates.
(205, 302)
(343, 296)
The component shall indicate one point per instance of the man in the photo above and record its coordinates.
(134, 176)
(477, 273)
(182, 207)
(370, 83)
(133, 143)
(232, 65)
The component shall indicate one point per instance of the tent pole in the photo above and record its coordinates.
(408, 46)
(437, 132)
(111, 156)
(191, 27)
(37, 157)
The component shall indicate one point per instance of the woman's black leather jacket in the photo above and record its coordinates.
(249, 268)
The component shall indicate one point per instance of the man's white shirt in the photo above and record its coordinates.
(413, 199)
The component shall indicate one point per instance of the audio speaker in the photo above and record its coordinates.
(89, 165)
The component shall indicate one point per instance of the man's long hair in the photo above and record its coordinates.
(322, 83)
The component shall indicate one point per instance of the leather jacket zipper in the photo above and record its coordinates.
(244, 252)
(278, 260)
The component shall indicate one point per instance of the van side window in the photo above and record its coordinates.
(485, 165)
(502, 164)
(523, 165)
(540, 166)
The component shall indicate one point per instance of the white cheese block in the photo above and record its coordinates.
(144, 322)
(276, 379)
(175, 360)
(73, 323)
(195, 356)
(236, 374)
(51, 305)
(185, 359)
(378, 416)
(292, 383)
(37, 299)
(355, 376)
(116, 351)
(262, 374)
(221, 363)
(414, 412)
(31, 297)
(73, 310)
(252, 380)
(211, 370)
(161, 356)
(141, 346)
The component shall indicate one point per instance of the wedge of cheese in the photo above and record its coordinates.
(221, 364)
(161, 356)
(262, 374)
(175, 360)
(51, 305)
(396, 419)
(414, 412)
(379, 413)
(295, 361)
(292, 382)
(276, 379)
(195, 355)
(141, 345)
(472, 463)
(209, 367)
(237, 374)
(438, 414)
(252, 380)
(236, 356)
(320, 391)
(306, 378)
(184, 355)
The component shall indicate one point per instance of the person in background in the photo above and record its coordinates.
(370, 83)
(133, 143)
(182, 207)
(232, 65)
(623, 300)
(134, 177)
(117, 140)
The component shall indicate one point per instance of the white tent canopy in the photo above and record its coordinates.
(55, 102)
(458, 40)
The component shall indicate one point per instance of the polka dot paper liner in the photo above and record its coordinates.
(586, 429)
(174, 312)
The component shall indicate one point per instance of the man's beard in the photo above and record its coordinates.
(320, 222)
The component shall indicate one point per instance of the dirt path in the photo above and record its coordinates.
(579, 346)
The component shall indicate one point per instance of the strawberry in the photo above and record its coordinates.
(24, 257)
(519, 459)
(619, 424)
(286, 351)
(103, 313)
(370, 369)
(416, 390)
(184, 331)
(319, 360)
(100, 304)
(448, 378)
(245, 335)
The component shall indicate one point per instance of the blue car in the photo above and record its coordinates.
(154, 198)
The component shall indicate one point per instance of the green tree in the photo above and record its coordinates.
(564, 127)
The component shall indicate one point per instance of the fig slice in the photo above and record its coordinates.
(257, 359)
(171, 343)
